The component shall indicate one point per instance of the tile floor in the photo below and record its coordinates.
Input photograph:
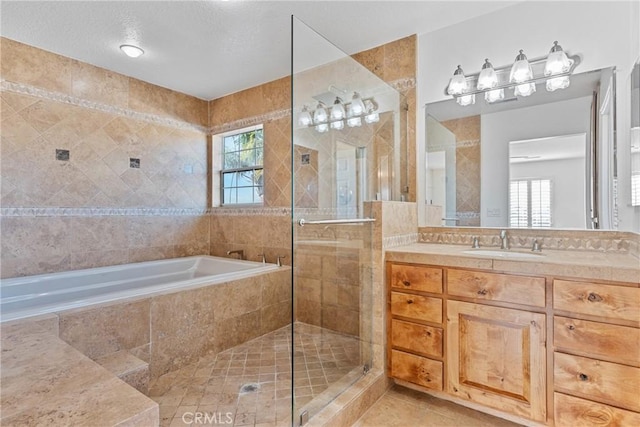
(402, 407)
(250, 384)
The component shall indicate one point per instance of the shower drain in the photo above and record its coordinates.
(249, 388)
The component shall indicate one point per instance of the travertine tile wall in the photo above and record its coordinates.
(85, 212)
(467, 133)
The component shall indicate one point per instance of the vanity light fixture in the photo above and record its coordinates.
(340, 113)
(131, 51)
(522, 76)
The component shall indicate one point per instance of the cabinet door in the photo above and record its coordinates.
(497, 357)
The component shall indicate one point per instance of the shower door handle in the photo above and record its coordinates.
(302, 222)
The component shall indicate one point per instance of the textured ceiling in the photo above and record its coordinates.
(212, 48)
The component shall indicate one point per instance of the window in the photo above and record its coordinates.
(242, 176)
(530, 203)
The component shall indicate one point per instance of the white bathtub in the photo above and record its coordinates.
(47, 293)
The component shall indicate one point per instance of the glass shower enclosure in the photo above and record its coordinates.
(345, 133)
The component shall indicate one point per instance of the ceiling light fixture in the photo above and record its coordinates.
(131, 51)
(522, 76)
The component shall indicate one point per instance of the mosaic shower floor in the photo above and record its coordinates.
(250, 384)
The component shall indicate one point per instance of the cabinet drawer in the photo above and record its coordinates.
(416, 369)
(416, 307)
(615, 343)
(417, 278)
(604, 382)
(615, 302)
(417, 338)
(575, 412)
(497, 287)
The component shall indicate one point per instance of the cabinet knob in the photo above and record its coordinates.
(571, 327)
(409, 301)
(482, 292)
(593, 297)
(583, 377)
(406, 283)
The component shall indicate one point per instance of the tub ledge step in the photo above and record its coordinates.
(128, 368)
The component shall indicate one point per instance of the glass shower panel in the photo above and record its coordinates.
(343, 154)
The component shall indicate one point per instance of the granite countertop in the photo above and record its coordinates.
(578, 264)
(45, 381)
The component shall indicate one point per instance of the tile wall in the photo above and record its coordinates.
(97, 168)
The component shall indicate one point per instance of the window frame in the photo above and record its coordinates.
(219, 140)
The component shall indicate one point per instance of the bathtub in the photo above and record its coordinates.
(47, 293)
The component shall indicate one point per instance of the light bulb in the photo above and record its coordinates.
(525, 89)
(372, 118)
(337, 111)
(494, 95)
(337, 125)
(557, 61)
(320, 115)
(488, 77)
(458, 83)
(357, 106)
(322, 128)
(558, 83)
(521, 69)
(466, 100)
(354, 121)
(305, 118)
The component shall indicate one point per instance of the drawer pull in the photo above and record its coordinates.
(571, 327)
(482, 292)
(594, 297)
(583, 377)
(409, 301)
(406, 283)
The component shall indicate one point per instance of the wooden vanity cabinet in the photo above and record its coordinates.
(596, 366)
(415, 325)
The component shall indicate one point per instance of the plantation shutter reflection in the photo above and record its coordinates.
(530, 203)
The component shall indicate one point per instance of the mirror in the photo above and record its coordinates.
(635, 135)
(544, 161)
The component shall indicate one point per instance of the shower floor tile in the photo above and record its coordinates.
(250, 384)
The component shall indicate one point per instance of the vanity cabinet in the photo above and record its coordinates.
(596, 366)
(415, 325)
(557, 351)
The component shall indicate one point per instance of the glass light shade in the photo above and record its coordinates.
(305, 118)
(558, 83)
(357, 106)
(337, 111)
(458, 83)
(131, 51)
(337, 125)
(372, 118)
(488, 77)
(494, 95)
(354, 122)
(525, 89)
(322, 128)
(466, 100)
(320, 115)
(521, 70)
(557, 61)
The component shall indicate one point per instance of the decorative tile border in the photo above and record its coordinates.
(599, 241)
(395, 241)
(25, 89)
(56, 212)
(250, 121)
(258, 211)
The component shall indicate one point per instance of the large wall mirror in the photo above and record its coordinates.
(635, 135)
(544, 161)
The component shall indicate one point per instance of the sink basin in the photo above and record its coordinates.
(501, 254)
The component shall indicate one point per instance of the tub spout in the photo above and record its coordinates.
(239, 252)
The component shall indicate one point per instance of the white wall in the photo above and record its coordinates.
(498, 129)
(605, 34)
(567, 193)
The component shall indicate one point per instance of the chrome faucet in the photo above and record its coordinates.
(536, 246)
(475, 243)
(237, 252)
(279, 260)
(263, 257)
(505, 240)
